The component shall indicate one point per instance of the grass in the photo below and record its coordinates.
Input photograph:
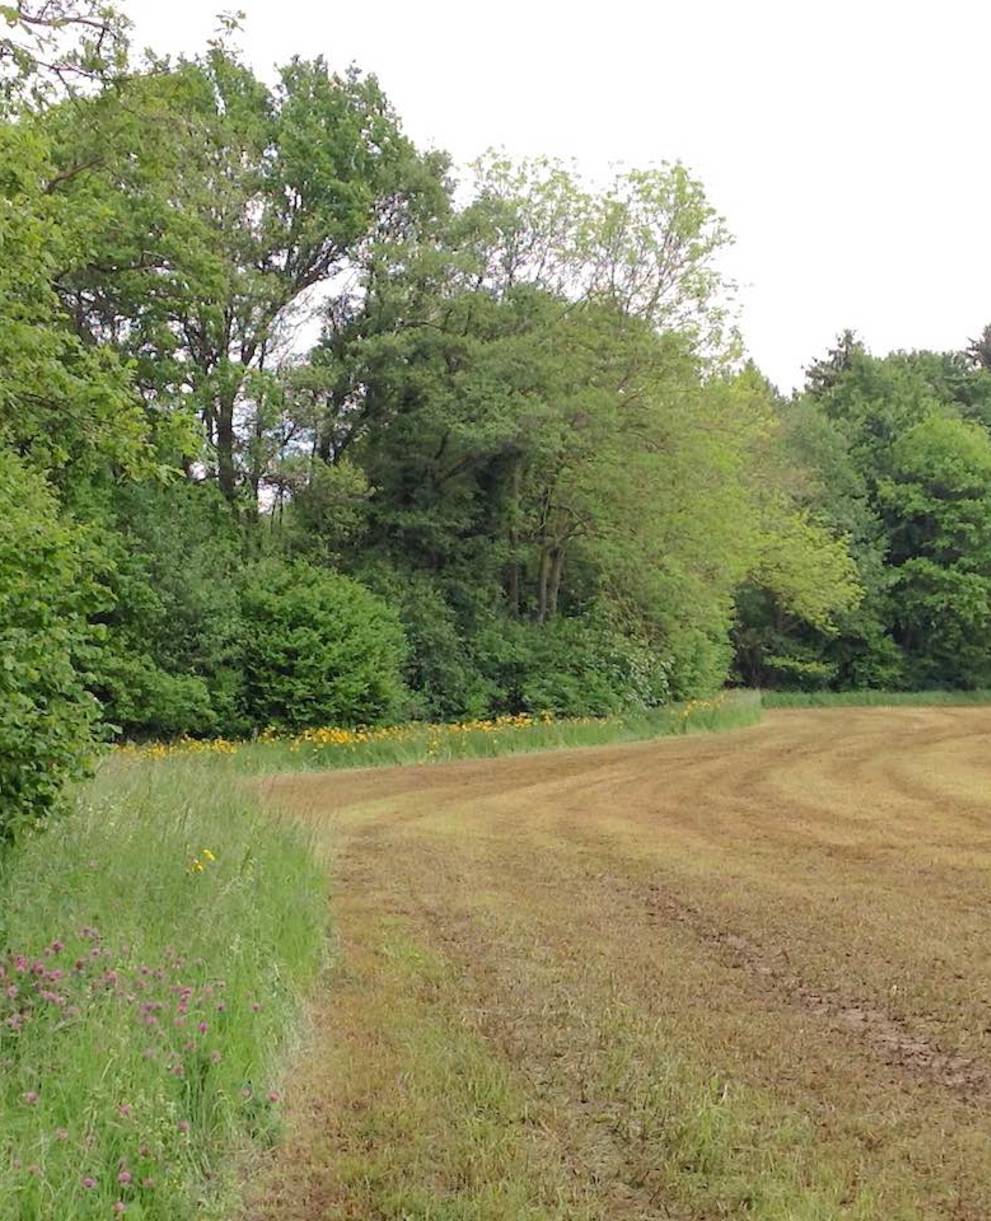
(723, 978)
(871, 699)
(325, 749)
(158, 940)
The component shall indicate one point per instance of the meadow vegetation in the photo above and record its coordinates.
(157, 943)
(522, 491)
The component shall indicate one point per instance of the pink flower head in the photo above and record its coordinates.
(183, 1126)
(273, 1095)
(120, 1207)
(57, 947)
(124, 1177)
(124, 1109)
(31, 1097)
(203, 1027)
(89, 1182)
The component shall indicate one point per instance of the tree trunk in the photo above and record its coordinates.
(554, 586)
(542, 584)
(513, 569)
(226, 472)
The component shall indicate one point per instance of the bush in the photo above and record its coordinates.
(170, 662)
(319, 649)
(571, 667)
(46, 716)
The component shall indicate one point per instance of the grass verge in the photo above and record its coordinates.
(156, 941)
(870, 699)
(325, 749)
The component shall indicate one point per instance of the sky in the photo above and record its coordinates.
(845, 143)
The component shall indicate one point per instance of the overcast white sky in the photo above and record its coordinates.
(846, 143)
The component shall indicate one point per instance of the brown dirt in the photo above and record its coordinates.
(793, 918)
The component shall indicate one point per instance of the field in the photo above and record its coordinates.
(737, 975)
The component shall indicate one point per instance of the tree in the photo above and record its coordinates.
(225, 207)
(937, 508)
(46, 593)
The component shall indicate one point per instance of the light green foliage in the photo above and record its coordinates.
(46, 717)
(318, 649)
(115, 1075)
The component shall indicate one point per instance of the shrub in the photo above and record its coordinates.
(46, 716)
(572, 667)
(318, 649)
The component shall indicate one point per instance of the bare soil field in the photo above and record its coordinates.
(731, 975)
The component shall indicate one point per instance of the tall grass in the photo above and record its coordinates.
(155, 942)
(869, 699)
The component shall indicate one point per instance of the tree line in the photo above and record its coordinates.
(298, 426)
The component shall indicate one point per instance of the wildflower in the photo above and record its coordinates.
(215, 1057)
(124, 1109)
(148, 1183)
(273, 1095)
(89, 1182)
(124, 1177)
(203, 1027)
(183, 1126)
(31, 1097)
(34, 1169)
(120, 1207)
(61, 1133)
(208, 854)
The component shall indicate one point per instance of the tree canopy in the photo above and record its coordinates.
(345, 436)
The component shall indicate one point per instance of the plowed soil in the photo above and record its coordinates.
(732, 975)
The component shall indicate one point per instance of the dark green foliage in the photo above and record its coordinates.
(46, 716)
(318, 649)
(171, 661)
(574, 667)
(897, 454)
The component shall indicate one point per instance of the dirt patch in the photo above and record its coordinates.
(889, 1037)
